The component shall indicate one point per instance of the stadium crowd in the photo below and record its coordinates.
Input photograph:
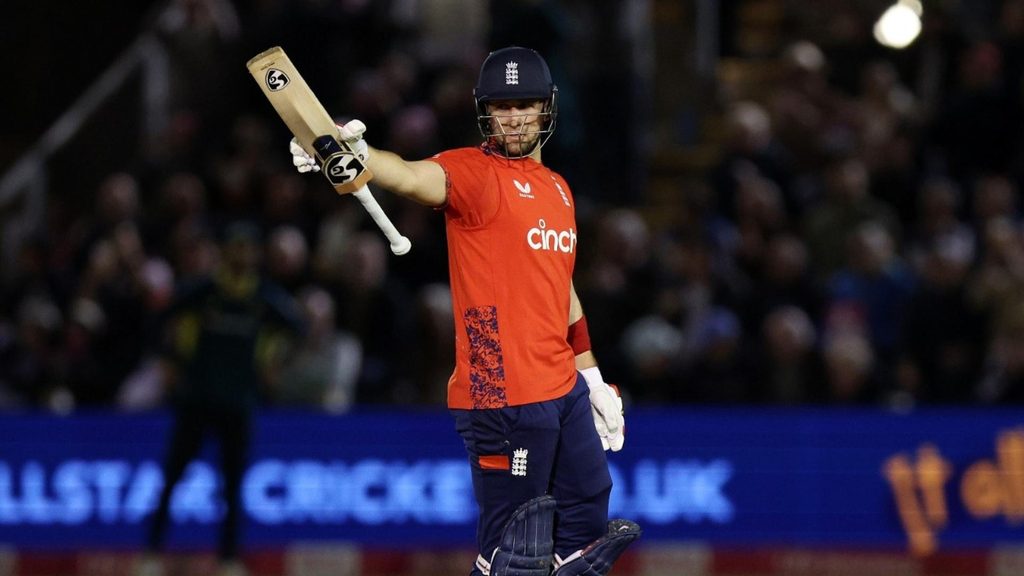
(855, 240)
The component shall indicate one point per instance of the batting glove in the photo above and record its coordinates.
(351, 133)
(606, 406)
(303, 162)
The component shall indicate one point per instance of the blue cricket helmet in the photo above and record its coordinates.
(515, 73)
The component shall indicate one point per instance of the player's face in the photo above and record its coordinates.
(518, 123)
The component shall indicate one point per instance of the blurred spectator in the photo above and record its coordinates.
(938, 221)
(451, 31)
(1003, 377)
(888, 120)
(1009, 37)
(334, 234)
(379, 311)
(201, 38)
(993, 196)
(324, 367)
(285, 203)
(997, 282)
(287, 258)
(653, 352)
(843, 30)
(785, 280)
(884, 104)
(452, 100)
(873, 290)
(789, 368)
(829, 224)
(850, 369)
(193, 251)
(809, 116)
(183, 201)
(121, 301)
(944, 333)
(435, 355)
(976, 131)
(720, 373)
(32, 274)
(117, 202)
(619, 281)
(413, 132)
(759, 216)
(932, 66)
(695, 289)
(751, 148)
(31, 365)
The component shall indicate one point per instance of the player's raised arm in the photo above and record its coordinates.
(421, 181)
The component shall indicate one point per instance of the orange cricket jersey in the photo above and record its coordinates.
(511, 229)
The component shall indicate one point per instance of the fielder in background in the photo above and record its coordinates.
(226, 338)
(529, 402)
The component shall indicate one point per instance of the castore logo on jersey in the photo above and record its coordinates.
(524, 189)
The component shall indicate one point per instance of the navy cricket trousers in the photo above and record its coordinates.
(521, 452)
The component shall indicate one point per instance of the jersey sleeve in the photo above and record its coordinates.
(471, 200)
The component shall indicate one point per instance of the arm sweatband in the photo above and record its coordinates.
(578, 336)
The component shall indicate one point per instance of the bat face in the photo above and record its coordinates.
(315, 131)
(307, 119)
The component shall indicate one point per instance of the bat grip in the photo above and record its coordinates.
(399, 244)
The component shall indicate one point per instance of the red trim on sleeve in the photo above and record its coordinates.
(579, 336)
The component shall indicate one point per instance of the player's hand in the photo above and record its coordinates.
(303, 162)
(606, 406)
(352, 133)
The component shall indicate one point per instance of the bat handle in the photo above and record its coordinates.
(399, 244)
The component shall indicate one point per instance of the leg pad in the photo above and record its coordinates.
(527, 547)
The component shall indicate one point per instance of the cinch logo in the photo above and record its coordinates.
(540, 238)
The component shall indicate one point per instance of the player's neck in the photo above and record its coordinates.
(499, 151)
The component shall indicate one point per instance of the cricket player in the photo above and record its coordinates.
(528, 399)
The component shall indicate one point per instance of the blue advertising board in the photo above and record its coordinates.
(929, 479)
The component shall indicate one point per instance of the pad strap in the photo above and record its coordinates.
(597, 558)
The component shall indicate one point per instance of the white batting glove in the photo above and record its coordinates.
(606, 406)
(303, 162)
(351, 133)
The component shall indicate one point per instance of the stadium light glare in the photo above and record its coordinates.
(900, 24)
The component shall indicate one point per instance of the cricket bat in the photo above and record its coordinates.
(316, 132)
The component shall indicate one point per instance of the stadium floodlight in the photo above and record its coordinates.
(900, 24)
